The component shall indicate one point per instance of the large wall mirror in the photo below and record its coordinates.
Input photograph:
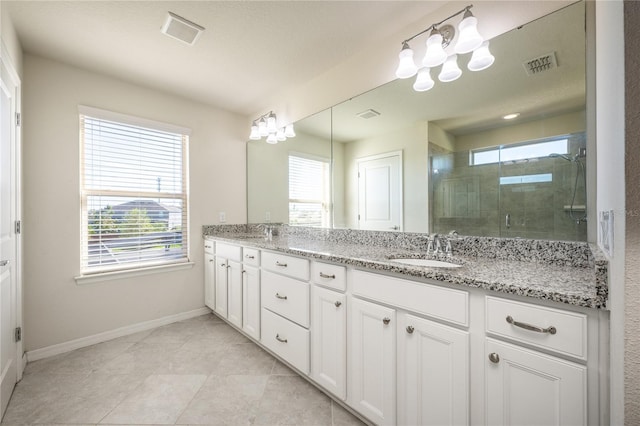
(445, 159)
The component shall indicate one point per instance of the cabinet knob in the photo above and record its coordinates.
(210, 260)
(338, 303)
(494, 357)
(386, 321)
(410, 329)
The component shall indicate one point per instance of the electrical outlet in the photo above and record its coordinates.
(222, 217)
(267, 216)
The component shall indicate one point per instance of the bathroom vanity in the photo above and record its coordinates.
(515, 336)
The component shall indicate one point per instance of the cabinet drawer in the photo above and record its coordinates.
(560, 331)
(328, 275)
(208, 246)
(250, 256)
(286, 339)
(437, 302)
(229, 251)
(287, 265)
(286, 296)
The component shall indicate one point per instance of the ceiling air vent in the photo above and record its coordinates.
(542, 63)
(181, 29)
(370, 113)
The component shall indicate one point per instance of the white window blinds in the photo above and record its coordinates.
(309, 191)
(133, 194)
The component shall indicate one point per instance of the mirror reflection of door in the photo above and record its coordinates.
(380, 192)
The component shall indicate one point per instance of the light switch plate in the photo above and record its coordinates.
(605, 231)
(222, 217)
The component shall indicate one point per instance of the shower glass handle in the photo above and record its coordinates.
(507, 220)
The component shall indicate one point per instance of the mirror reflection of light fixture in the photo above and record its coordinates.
(267, 126)
(440, 36)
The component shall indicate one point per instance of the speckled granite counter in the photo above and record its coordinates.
(572, 273)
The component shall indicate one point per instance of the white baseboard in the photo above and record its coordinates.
(112, 334)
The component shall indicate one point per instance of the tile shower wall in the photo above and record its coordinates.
(472, 200)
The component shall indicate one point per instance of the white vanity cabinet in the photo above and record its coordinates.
(209, 274)
(525, 385)
(251, 292)
(228, 298)
(329, 328)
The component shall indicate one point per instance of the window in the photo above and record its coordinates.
(519, 152)
(309, 190)
(133, 192)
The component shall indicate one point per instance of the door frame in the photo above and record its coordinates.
(5, 60)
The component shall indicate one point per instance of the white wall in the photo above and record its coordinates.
(10, 39)
(56, 308)
(611, 179)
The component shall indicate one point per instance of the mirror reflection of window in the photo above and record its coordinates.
(309, 190)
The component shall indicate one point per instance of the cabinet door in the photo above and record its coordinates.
(234, 293)
(525, 387)
(372, 361)
(433, 373)
(209, 280)
(251, 301)
(329, 334)
(221, 287)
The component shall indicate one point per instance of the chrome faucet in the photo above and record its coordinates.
(434, 245)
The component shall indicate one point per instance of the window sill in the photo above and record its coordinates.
(116, 275)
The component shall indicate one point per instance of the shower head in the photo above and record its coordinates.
(563, 156)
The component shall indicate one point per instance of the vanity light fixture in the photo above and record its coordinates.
(267, 126)
(440, 36)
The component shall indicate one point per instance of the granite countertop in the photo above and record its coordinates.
(555, 281)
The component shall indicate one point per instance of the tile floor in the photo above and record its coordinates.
(198, 371)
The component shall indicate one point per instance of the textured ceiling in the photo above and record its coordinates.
(249, 49)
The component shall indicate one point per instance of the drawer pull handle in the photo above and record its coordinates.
(223, 264)
(210, 260)
(283, 265)
(386, 321)
(550, 330)
(410, 329)
(281, 297)
(248, 256)
(338, 304)
(323, 275)
(280, 339)
(494, 357)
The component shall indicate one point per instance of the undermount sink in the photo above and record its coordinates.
(431, 263)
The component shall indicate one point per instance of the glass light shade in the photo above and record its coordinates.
(272, 138)
(289, 132)
(255, 134)
(271, 123)
(450, 70)
(406, 67)
(262, 127)
(481, 58)
(469, 38)
(424, 81)
(435, 52)
(280, 135)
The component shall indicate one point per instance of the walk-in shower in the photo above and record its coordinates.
(580, 173)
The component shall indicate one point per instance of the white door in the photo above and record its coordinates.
(372, 361)
(209, 280)
(234, 293)
(10, 370)
(221, 287)
(251, 301)
(433, 373)
(525, 387)
(329, 334)
(380, 192)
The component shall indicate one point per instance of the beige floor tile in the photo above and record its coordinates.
(282, 370)
(245, 358)
(341, 417)
(141, 358)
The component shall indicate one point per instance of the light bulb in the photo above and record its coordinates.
(262, 127)
(280, 135)
(481, 58)
(450, 70)
(469, 38)
(272, 139)
(271, 123)
(424, 81)
(255, 134)
(289, 132)
(406, 67)
(435, 52)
